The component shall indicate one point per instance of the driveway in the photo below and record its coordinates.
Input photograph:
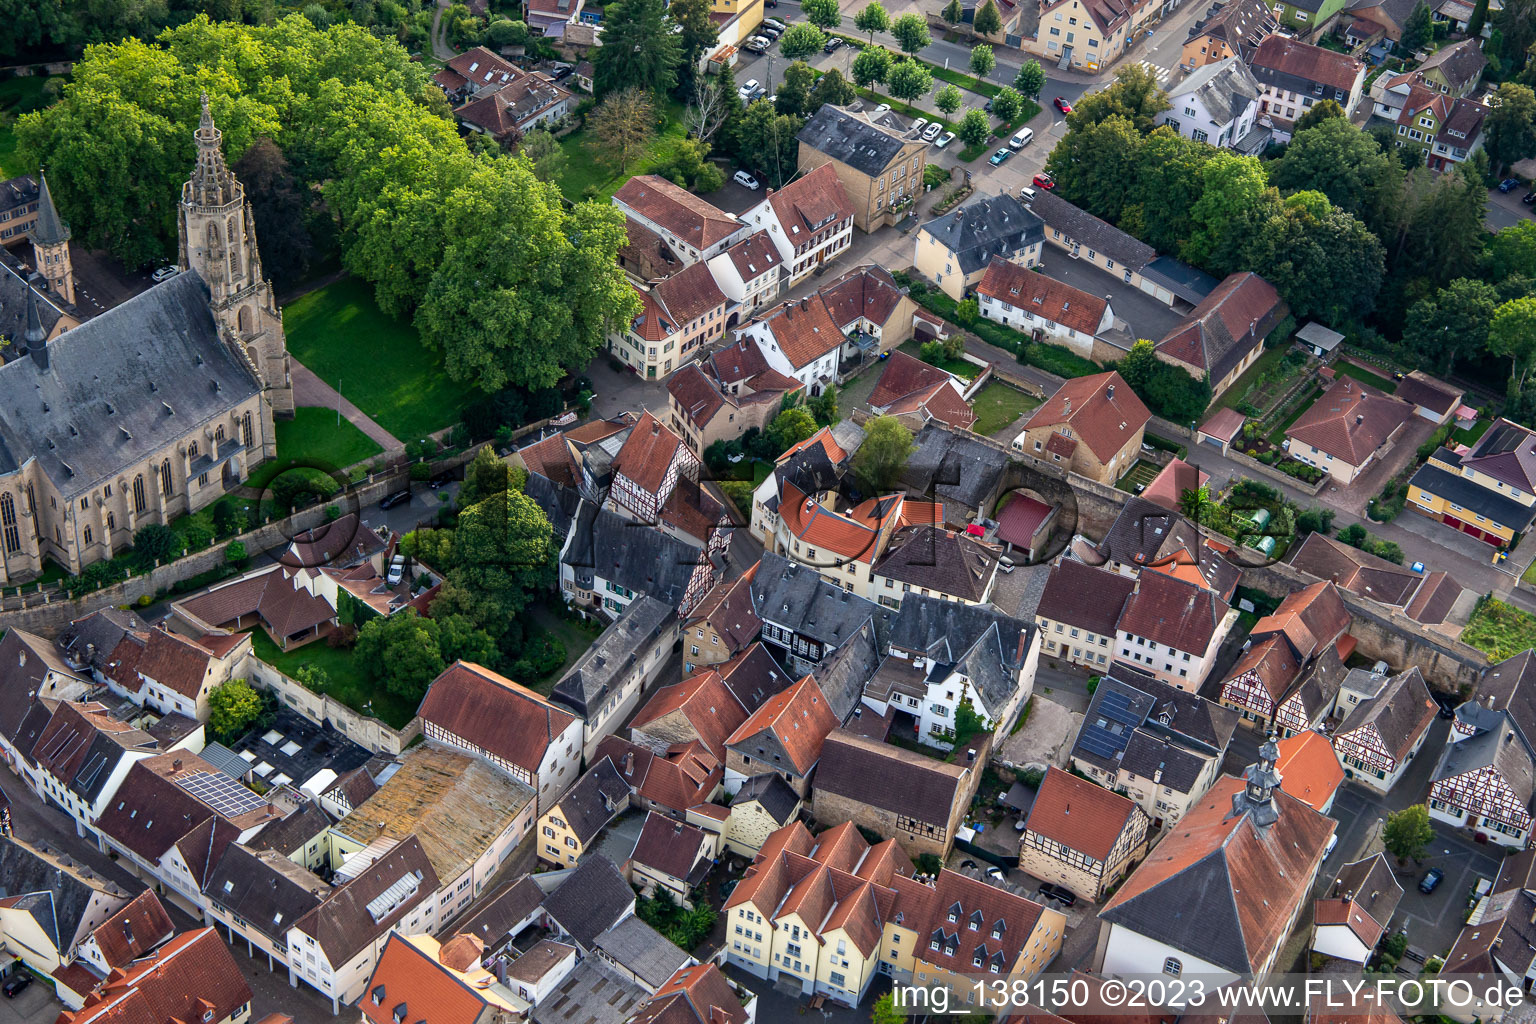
(36, 1005)
(1505, 208)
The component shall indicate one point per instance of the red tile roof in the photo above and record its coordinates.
(648, 452)
(192, 978)
(1101, 410)
(708, 992)
(685, 776)
(799, 718)
(868, 293)
(1172, 611)
(695, 395)
(707, 704)
(754, 256)
(407, 976)
(1313, 63)
(1350, 421)
(1078, 814)
(1310, 619)
(810, 204)
(804, 330)
(1226, 326)
(134, 930)
(1043, 296)
(482, 67)
(689, 294)
(495, 714)
(689, 218)
(728, 610)
(901, 376)
(1310, 769)
(1224, 424)
(1172, 481)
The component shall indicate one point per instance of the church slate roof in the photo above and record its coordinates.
(120, 387)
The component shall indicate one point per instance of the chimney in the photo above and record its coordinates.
(1359, 418)
(629, 763)
(175, 765)
(1109, 392)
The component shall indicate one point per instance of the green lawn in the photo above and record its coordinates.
(1366, 377)
(347, 684)
(996, 405)
(17, 96)
(1500, 630)
(575, 636)
(313, 438)
(377, 362)
(1474, 433)
(585, 169)
(961, 368)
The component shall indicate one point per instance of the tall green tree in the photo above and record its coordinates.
(1512, 336)
(1451, 325)
(883, 454)
(794, 94)
(401, 651)
(1418, 30)
(1134, 95)
(1007, 104)
(824, 14)
(973, 128)
(789, 428)
(232, 708)
(545, 153)
(1408, 832)
(1231, 208)
(801, 41)
(1440, 226)
(953, 13)
(1478, 20)
(1092, 165)
(982, 60)
(1164, 188)
(623, 125)
(989, 20)
(1316, 114)
(640, 49)
(872, 66)
(765, 141)
(503, 555)
(1512, 251)
(873, 18)
(1030, 79)
(281, 211)
(503, 320)
(908, 80)
(911, 33)
(832, 88)
(1511, 125)
(1515, 25)
(1342, 162)
(1324, 262)
(948, 100)
(698, 37)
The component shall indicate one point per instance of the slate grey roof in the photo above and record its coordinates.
(926, 556)
(598, 796)
(1129, 704)
(512, 905)
(590, 900)
(1372, 884)
(14, 308)
(1492, 505)
(797, 598)
(265, 888)
(50, 228)
(1240, 23)
(643, 951)
(120, 387)
(293, 831)
(1189, 283)
(593, 993)
(842, 675)
(1145, 531)
(988, 646)
(88, 642)
(1159, 759)
(1096, 234)
(954, 465)
(559, 503)
(1501, 747)
(1226, 88)
(1460, 63)
(772, 793)
(601, 670)
(979, 230)
(17, 193)
(852, 140)
(634, 556)
(63, 898)
(882, 775)
(1400, 712)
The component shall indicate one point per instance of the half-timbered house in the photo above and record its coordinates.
(1383, 733)
(1484, 781)
(1081, 835)
(1285, 646)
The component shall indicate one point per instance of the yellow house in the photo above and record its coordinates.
(1488, 493)
(764, 804)
(1088, 36)
(568, 828)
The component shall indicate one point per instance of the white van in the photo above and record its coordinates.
(1022, 138)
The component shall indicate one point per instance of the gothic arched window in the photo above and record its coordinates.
(166, 486)
(245, 430)
(8, 522)
(138, 493)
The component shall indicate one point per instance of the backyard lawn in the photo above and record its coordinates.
(1474, 433)
(961, 368)
(17, 96)
(314, 438)
(1344, 368)
(1500, 630)
(377, 362)
(346, 683)
(1141, 472)
(585, 169)
(575, 636)
(996, 405)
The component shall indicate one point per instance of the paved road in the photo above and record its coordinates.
(1505, 209)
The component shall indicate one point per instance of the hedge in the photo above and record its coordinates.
(1052, 358)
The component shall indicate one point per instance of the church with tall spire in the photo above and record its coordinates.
(149, 411)
(218, 241)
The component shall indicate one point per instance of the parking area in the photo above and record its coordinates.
(35, 1005)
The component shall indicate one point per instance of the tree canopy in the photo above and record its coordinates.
(881, 457)
(640, 49)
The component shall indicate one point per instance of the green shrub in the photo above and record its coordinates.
(235, 553)
(932, 352)
(421, 471)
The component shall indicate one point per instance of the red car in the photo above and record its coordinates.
(1063, 106)
(1044, 180)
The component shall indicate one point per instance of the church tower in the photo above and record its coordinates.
(50, 247)
(218, 240)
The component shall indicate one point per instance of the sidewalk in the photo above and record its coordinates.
(310, 392)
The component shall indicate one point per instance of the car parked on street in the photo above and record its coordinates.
(833, 45)
(16, 984)
(1431, 880)
(996, 874)
(775, 23)
(750, 90)
(1044, 180)
(1528, 198)
(1021, 138)
(1000, 156)
(164, 274)
(1509, 184)
(918, 126)
(757, 44)
(398, 498)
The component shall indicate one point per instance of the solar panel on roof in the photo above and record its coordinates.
(223, 794)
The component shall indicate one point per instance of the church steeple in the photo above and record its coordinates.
(1260, 782)
(212, 183)
(50, 246)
